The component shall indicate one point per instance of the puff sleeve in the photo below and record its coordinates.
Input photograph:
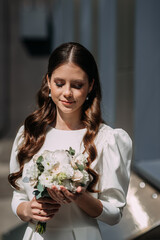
(18, 195)
(114, 169)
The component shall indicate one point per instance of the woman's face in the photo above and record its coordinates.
(69, 88)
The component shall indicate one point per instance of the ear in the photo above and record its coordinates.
(48, 81)
(91, 86)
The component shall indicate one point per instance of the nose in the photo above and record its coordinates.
(68, 92)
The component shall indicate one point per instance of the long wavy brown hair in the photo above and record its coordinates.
(35, 125)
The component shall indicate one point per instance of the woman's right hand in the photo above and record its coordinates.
(42, 209)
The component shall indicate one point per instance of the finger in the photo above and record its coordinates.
(58, 195)
(47, 206)
(35, 204)
(53, 195)
(46, 200)
(41, 218)
(51, 204)
(68, 195)
(80, 189)
(67, 200)
(44, 213)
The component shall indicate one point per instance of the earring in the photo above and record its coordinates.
(87, 98)
(49, 93)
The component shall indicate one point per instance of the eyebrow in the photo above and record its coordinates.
(73, 81)
(58, 79)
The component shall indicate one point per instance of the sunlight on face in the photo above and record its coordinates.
(69, 88)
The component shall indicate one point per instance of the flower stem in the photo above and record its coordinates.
(41, 227)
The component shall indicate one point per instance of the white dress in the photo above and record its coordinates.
(114, 148)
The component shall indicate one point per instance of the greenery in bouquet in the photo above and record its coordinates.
(58, 168)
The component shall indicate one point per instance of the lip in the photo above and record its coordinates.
(67, 102)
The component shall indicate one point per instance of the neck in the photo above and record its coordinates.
(68, 122)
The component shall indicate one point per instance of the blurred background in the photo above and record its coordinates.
(124, 37)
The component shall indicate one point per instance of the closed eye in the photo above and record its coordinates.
(59, 84)
(74, 84)
(77, 86)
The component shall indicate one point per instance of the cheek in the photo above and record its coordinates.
(83, 93)
(81, 96)
(55, 91)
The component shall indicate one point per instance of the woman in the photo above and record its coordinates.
(69, 115)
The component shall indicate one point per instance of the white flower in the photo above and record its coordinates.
(57, 168)
(73, 164)
(46, 180)
(85, 179)
(31, 172)
(49, 162)
(35, 157)
(62, 156)
(68, 185)
(79, 159)
(67, 169)
(78, 176)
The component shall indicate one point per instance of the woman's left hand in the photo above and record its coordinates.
(63, 195)
(92, 206)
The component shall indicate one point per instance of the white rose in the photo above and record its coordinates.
(80, 159)
(78, 176)
(68, 170)
(48, 160)
(62, 157)
(47, 155)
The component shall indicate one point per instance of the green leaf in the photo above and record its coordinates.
(39, 164)
(39, 195)
(71, 151)
(40, 187)
(45, 193)
(80, 167)
(36, 192)
(82, 184)
(40, 159)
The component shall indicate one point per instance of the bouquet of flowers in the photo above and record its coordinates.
(61, 167)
